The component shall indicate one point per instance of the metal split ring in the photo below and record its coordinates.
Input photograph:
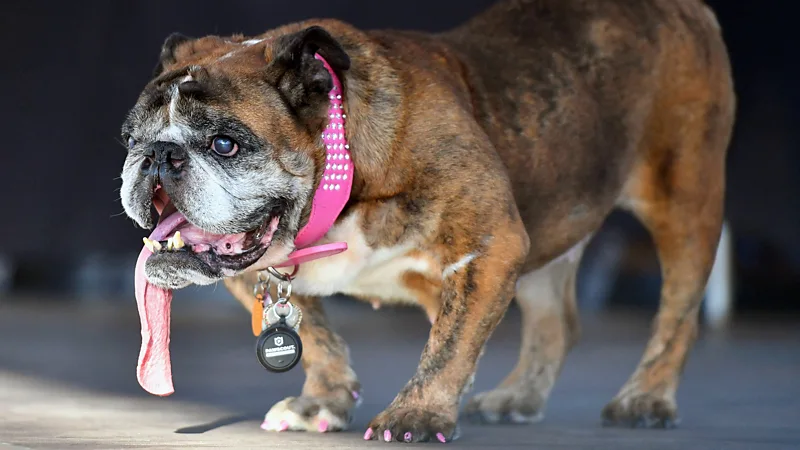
(282, 276)
(262, 286)
(288, 287)
(284, 283)
(288, 314)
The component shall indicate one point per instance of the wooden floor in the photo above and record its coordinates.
(67, 380)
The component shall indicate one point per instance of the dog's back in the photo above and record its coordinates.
(581, 98)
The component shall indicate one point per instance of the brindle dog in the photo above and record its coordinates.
(486, 157)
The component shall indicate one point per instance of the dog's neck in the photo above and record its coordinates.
(334, 188)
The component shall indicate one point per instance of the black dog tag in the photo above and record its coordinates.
(279, 348)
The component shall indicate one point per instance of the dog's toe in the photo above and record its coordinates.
(309, 414)
(411, 425)
(505, 405)
(640, 410)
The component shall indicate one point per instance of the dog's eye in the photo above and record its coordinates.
(131, 142)
(224, 145)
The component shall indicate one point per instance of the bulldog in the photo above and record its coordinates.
(459, 169)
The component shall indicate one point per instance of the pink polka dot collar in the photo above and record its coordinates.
(333, 191)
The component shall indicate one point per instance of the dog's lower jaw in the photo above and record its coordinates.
(173, 271)
(164, 273)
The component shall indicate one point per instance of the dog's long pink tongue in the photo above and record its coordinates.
(154, 370)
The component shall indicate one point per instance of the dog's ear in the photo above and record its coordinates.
(299, 76)
(167, 56)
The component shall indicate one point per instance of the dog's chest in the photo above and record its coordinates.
(361, 271)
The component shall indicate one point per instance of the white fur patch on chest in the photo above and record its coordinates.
(361, 270)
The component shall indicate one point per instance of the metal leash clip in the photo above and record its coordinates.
(261, 289)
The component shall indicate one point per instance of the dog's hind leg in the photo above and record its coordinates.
(677, 191)
(550, 326)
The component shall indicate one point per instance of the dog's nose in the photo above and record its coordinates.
(163, 159)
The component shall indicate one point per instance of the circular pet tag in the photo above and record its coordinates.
(279, 348)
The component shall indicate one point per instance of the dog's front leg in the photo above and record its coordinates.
(474, 300)
(331, 390)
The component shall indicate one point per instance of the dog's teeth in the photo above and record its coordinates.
(170, 245)
(177, 241)
(151, 245)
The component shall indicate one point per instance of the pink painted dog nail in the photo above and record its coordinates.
(284, 426)
(368, 434)
(407, 436)
(355, 395)
(265, 425)
(387, 435)
(441, 438)
(323, 426)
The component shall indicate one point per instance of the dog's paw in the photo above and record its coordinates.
(640, 410)
(411, 425)
(505, 405)
(310, 414)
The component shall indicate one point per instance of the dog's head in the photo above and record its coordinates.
(225, 143)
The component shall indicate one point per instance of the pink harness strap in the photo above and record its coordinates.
(333, 191)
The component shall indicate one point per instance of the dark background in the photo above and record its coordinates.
(71, 70)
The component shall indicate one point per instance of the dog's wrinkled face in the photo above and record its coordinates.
(225, 144)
